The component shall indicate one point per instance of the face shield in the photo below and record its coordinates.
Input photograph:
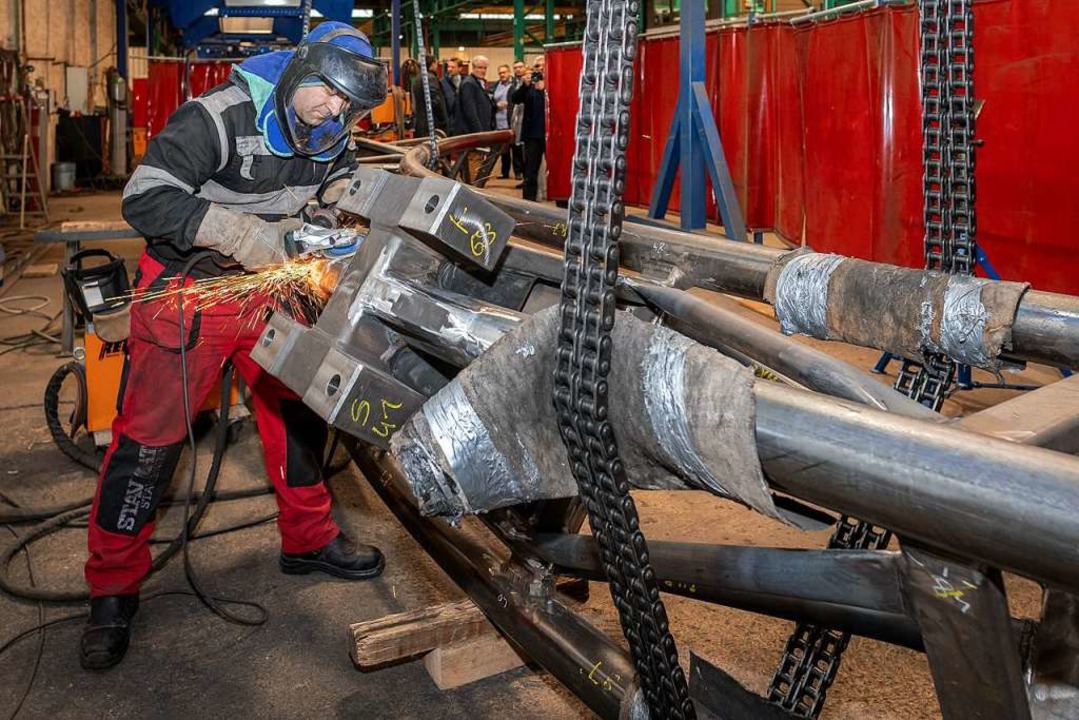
(318, 115)
(323, 93)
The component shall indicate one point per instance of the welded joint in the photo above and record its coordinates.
(907, 312)
(663, 374)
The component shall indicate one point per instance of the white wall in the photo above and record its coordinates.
(59, 34)
(497, 56)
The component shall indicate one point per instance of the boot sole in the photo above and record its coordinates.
(305, 567)
(102, 661)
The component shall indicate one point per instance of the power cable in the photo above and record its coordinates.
(41, 644)
(217, 605)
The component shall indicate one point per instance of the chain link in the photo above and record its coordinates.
(584, 351)
(425, 82)
(947, 75)
(812, 655)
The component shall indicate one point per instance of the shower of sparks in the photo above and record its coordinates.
(296, 281)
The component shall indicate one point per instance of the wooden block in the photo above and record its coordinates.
(455, 665)
(41, 271)
(395, 637)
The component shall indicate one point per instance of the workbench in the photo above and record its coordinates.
(72, 233)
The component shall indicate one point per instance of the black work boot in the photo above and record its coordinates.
(340, 557)
(105, 639)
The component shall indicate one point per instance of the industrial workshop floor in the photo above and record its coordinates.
(185, 662)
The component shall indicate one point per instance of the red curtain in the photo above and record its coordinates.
(165, 87)
(821, 125)
(862, 135)
(1027, 71)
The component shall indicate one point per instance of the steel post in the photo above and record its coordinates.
(515, 599)
(395, 40)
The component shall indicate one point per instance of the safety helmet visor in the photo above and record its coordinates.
(318, 115)
(323, 93)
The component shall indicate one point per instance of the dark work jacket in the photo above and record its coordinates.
(534, 120)
(477, 110)
(438, 105)
(453, 110)
(211, 152)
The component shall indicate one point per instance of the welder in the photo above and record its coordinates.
(217, 192)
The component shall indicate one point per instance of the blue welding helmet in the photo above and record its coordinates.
(329, 84)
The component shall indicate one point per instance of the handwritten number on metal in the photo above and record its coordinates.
(361, 415)
(480, 237)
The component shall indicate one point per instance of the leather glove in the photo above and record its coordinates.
(334, 191)
(248, 239)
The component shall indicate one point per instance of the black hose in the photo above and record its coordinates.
(83, 509)
(21, 515)
(52, 414)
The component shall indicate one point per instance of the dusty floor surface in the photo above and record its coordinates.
(185, 662)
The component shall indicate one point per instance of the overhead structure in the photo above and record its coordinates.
(200, 21)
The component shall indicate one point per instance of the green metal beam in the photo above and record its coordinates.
(548, 28)
(518, 29)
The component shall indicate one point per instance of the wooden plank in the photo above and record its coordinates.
(41, 271)
(404, 635)
(465, 662)
(73, 231)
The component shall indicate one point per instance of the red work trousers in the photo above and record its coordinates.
(150, 431)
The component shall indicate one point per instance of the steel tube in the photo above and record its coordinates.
(853, 590)
(1046, 327)
(714, 323)
(953, 490)
(584, 659)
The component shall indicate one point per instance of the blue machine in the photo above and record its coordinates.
(200, 29)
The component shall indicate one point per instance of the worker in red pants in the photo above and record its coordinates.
(216, 193)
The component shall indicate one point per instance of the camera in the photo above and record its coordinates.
(537, 76)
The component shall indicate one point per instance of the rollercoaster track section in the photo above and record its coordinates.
(438, 281)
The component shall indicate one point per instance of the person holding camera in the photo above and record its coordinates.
(532, 97)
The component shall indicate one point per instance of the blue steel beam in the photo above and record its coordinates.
(694, 143)
(395, 39)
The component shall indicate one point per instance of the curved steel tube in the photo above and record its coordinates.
(712, 324)
(1046, 327)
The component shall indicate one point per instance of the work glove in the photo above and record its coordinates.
(335, 191)
(248, 239)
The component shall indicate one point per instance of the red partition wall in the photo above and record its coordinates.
(163, 95)
(862, 135)
(166, 87)
(821, 125)
(1027, 71)
(563, 73)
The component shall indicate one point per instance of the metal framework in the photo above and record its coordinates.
(693, 142)
(393, 326)
(443, 342)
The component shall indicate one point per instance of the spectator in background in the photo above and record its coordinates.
(516, 112)
(501, 93)
(438, 102)
(477, 108)
(450, 82)
(532, 96)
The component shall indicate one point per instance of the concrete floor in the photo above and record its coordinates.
(186, 662)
